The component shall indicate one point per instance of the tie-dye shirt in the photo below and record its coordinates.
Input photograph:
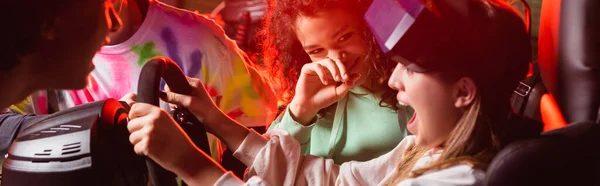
(197, 45)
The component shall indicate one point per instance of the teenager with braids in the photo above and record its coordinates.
(460, 94)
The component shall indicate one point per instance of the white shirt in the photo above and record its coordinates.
(278, 161)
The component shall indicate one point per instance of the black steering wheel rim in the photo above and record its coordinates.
(152, 72)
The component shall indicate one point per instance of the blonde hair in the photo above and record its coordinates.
(475, 139)
(471, 142)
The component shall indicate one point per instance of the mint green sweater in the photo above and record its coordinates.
(356, 128)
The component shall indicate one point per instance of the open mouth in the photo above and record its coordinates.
(411, 124)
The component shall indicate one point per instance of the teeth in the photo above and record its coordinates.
(403, 104)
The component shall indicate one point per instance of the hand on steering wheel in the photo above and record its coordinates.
(156, 135)
(198, 102)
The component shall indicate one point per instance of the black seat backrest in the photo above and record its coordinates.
(569, 59)
(567, 156)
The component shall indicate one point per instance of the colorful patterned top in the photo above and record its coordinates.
(197, 45)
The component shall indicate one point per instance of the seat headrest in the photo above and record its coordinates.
(569, 45)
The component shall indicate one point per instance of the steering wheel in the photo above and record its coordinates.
(148, 92)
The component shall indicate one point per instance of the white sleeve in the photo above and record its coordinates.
(372, 172)
(278, 161)
(230, 180)
(458, 175)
